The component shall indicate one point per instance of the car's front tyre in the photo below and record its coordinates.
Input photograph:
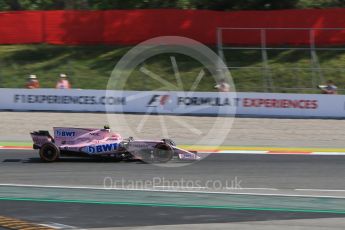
(163, 152)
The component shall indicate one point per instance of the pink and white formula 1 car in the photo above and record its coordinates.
(104, 143)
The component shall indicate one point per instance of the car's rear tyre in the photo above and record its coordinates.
(163, 153)
(49, 152)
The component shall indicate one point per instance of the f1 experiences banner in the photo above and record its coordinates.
(57, 100)
(182, 103)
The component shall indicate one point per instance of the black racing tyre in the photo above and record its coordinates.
(169, 142)
(49, 152)
(163, 152)
(146, 155)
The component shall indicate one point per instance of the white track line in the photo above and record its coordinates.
(319, 190)
(180, 191)
(328, 153)
(239, 189)
(59, 226)
(180, 187)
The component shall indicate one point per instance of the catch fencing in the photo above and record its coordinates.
(281, 55)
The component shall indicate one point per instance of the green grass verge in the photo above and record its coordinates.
(171, 205)
(16, 143)
(89, 67)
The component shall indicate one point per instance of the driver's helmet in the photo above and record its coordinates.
(106, 128)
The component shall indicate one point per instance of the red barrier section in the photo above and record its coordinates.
(128, 27)
(133, 26)
(74, 27)
(20, 27)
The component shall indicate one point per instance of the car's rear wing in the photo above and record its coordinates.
(40, 137)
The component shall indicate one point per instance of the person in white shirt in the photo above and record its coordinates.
(329, 88)
(222, 86)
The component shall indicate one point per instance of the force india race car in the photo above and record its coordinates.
(104, 143)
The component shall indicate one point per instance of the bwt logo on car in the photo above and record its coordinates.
(61, 133)
(102, 148)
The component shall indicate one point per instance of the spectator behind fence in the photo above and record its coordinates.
(329, 88)
(63, 82)
(222, 86)
(32, 82)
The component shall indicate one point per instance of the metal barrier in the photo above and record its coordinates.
(311, 73)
